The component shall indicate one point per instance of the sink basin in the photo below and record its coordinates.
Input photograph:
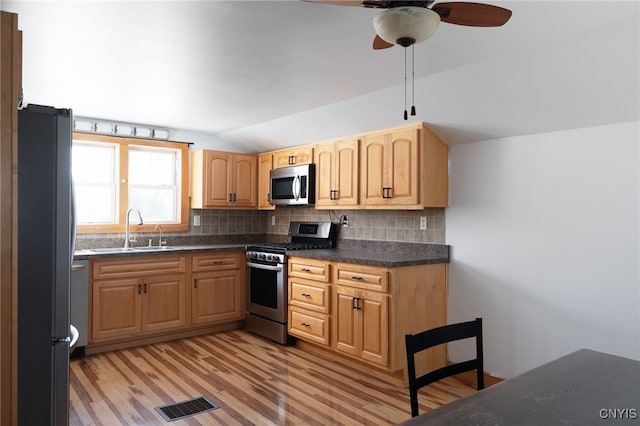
(153, 248)
(111, 250)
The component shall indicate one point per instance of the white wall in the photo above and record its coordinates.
(544, 232)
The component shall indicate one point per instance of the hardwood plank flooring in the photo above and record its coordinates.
(254, 381)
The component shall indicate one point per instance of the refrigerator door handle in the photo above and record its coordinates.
(57, 340)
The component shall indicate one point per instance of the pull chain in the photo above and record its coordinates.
(413, 80)
(405, 83)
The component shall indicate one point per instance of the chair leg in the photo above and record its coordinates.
(414, 404)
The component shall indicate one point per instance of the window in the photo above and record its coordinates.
(113, 174)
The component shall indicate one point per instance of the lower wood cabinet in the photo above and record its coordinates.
(137, 297)
(127, 307)
(360, 313)
(218, 288)
(131, 298)
(362, 324)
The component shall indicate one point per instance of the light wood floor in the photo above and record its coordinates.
(254, 381)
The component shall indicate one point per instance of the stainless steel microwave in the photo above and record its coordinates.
(293, 186)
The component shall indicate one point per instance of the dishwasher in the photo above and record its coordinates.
(79, 304)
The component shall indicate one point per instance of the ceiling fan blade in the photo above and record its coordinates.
(379, 43)
(337, 2)
(472, 14)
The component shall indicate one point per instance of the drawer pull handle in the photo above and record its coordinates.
(218, 262)
(305, 270)
(357, 278)
(304, 324)
(305, 295)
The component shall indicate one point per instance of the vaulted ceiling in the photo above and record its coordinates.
(265, 74)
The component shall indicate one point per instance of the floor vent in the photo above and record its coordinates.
(186, 408)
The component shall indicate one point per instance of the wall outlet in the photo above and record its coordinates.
(196, 220)
(423, 223)
(273, 220)
(344, 220)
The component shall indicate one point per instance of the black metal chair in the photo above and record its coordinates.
(418, 342)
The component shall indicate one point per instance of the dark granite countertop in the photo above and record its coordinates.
(91, 254)
(376, 253)
(389, 259)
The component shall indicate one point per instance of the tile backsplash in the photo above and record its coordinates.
(375, 225)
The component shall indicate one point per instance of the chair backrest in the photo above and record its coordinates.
(424, 340)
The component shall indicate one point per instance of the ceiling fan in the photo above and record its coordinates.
(408, 22)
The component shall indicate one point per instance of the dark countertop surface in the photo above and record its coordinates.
(390, 255)
(91, 254)
(363, 257)
(585, 387)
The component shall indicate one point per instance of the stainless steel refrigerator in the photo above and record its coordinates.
(46, 236)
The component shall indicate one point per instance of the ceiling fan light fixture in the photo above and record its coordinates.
(406, 25)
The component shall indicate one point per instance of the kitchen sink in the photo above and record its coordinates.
(112, 250)
(130, 249)
(153, 248)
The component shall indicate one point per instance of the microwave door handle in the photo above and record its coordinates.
(296, 187)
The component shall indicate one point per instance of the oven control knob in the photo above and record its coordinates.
(262, 256)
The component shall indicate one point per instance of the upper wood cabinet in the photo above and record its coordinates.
(404, 168)
(223, 179)
(337, 173)
(265, 165)
(293, 156)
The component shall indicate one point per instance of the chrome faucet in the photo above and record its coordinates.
(126, 232)
(160, 242)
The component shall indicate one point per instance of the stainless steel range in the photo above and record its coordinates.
(267, 276)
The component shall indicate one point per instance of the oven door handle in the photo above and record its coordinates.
(266, 267)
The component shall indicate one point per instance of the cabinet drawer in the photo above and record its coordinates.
(362, 276)
(310, 269)
(310, 327)
(309, 295)
(215, 261)
(151, 265)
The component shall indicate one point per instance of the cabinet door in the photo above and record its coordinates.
(373, 169)
(115, 309)
(163, 303)
(217, 181)
(346, 321)
(362, 324)
(325, 174)
(346, 172)
(265, 165)
(375, 318)
(216, 296)
(294, 156)
(245, 182)
(403, 172)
